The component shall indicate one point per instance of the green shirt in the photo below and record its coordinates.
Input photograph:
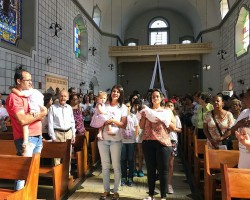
(201, 115)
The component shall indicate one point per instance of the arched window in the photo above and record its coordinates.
(186, 39)
(131, 42)
(97, 15)
(242, 32)
(80, 38)
(158, 31)
(223, 8)
(10, 21)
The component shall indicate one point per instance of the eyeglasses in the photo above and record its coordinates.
(29, 80)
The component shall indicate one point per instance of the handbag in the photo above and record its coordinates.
(228, 142)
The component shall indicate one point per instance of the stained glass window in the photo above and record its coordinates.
(10, 20)
(77, 43)
(246, 32)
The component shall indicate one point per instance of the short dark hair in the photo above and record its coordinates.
(47, 97)
(19, 74)
(205, 97)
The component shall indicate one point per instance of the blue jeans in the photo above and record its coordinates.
(35, 146)
(127, 159)
(111, 149)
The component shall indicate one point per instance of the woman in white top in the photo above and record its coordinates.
(242, 132)
(111, 145)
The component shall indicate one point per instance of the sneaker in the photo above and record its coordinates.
(123, 181)
(130, 182)
(135, 173)
(140, 173)
(104, 196)
(115, 196)
(170, 189)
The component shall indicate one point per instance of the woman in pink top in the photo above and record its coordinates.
(156, 144)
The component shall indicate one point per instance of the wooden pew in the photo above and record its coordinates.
(190, 147)
(235, 144)
(59, 173)
(93, 144)
(213, 159)
(199, 151)
(6, 136)
(20, 168)
(235, 183)
(80, 149)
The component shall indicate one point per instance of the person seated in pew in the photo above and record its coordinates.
(18, 110)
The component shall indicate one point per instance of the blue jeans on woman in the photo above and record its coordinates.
(35, 146)
(111, 149)
(127, 159)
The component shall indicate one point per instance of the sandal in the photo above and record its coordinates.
(115, 196)
(104, 195)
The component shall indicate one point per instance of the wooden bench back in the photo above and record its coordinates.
(7, 147)
(214, 157)
(199, 146)
(24, 168)
(14, 167)
(55, 149)
(235, 182)
(6, 136)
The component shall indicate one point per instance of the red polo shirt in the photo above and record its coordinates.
(15, 104)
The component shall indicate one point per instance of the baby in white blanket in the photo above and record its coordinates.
(155, 116)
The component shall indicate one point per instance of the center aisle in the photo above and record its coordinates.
(93, 187)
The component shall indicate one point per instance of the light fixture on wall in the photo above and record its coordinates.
(92, 50)
(121, 75)
(196, 76)
(222, 54)
(48, 60)
(82, 83)
(111, 66)
(241, 82)
(54, 27)
(206, 67)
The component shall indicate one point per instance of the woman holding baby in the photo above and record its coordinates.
(156, 142)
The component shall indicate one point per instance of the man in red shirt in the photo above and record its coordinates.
(18, 110)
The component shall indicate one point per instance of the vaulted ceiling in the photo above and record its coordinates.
(202, 14)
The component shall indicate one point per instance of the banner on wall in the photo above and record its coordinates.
(54, 84)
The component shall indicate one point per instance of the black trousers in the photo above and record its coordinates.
(156, 157)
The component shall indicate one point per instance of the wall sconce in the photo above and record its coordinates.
(206, 67)
(241, 82)
(20, 66)
(222, 54)
(55, 28)
(92, 50)
(121, 75)
(111, 66)
(226, 69)
(48, 60)
(107, 90)
(196, 76)
(82, 83)
(210, 89)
